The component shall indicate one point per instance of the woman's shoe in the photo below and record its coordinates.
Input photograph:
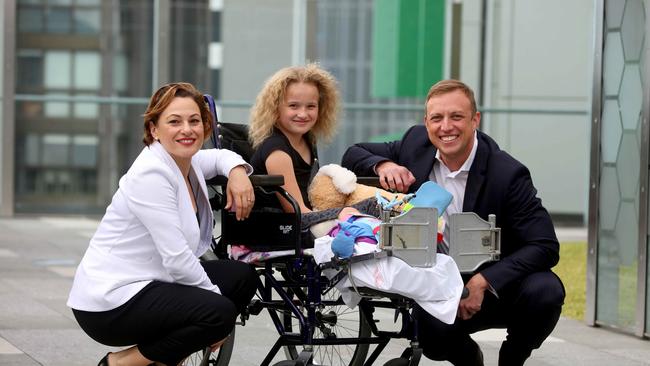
(104, 361)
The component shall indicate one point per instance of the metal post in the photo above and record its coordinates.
(298, 36)
(642, 272)
(594, 177)
(161, 43)
(8, 109)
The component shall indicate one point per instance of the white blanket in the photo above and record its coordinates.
(436, 289)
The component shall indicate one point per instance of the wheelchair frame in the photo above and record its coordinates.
(302, 288)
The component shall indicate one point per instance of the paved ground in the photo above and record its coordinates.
(38, 256)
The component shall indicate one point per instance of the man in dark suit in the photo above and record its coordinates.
(519, 292)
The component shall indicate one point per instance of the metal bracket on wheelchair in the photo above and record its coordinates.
(411, 236)
(473, 241)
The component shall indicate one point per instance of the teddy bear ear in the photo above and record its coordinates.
(343, 179)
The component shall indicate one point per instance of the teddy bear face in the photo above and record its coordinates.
(323, 194)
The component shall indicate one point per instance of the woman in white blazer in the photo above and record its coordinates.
(140, 282)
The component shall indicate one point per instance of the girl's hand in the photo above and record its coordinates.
(239, 193)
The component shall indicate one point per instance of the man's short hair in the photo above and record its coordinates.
(448, 86)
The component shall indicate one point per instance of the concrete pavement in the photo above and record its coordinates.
(38, 256)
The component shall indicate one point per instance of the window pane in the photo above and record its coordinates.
(59, 20)
(30, 69)
(57, 109)
(120, 72)
(30, 20)
(87, 2)
(29, 109)
(55, 149)
(85, 110)
(59, 2)
(87, 70)
(57, 69)
(84, 150)
(32, 149)
(87, 21)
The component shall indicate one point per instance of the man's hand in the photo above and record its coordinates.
(472, 304)
(239, 193)
(394, 177)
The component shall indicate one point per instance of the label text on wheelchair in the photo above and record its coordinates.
(286, 228)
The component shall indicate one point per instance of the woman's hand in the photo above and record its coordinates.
(239, 193)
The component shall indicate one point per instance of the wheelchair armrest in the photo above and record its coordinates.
(258, 180)
(267, 180)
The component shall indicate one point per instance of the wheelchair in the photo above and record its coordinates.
(314, 325)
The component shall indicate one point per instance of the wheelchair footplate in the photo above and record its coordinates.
(411, 236)
(473, 241)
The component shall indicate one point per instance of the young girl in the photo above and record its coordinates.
(296, 108)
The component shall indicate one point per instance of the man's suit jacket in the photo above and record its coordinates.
(497, 184)
(150, 230)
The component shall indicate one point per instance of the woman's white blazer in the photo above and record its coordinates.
(150, 230)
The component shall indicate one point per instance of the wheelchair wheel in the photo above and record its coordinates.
(334, 320)
(206, 358)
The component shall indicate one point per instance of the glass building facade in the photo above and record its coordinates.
(84, 71)
(617, 288)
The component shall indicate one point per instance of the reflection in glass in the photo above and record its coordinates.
(613, 63)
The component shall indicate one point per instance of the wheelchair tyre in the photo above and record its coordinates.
(350, 323)
(206, 358)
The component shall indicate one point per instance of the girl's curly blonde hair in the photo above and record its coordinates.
(265, 113)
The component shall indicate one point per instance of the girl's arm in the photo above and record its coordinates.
(279, 163)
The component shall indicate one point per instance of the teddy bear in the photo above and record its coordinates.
(335, 186)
